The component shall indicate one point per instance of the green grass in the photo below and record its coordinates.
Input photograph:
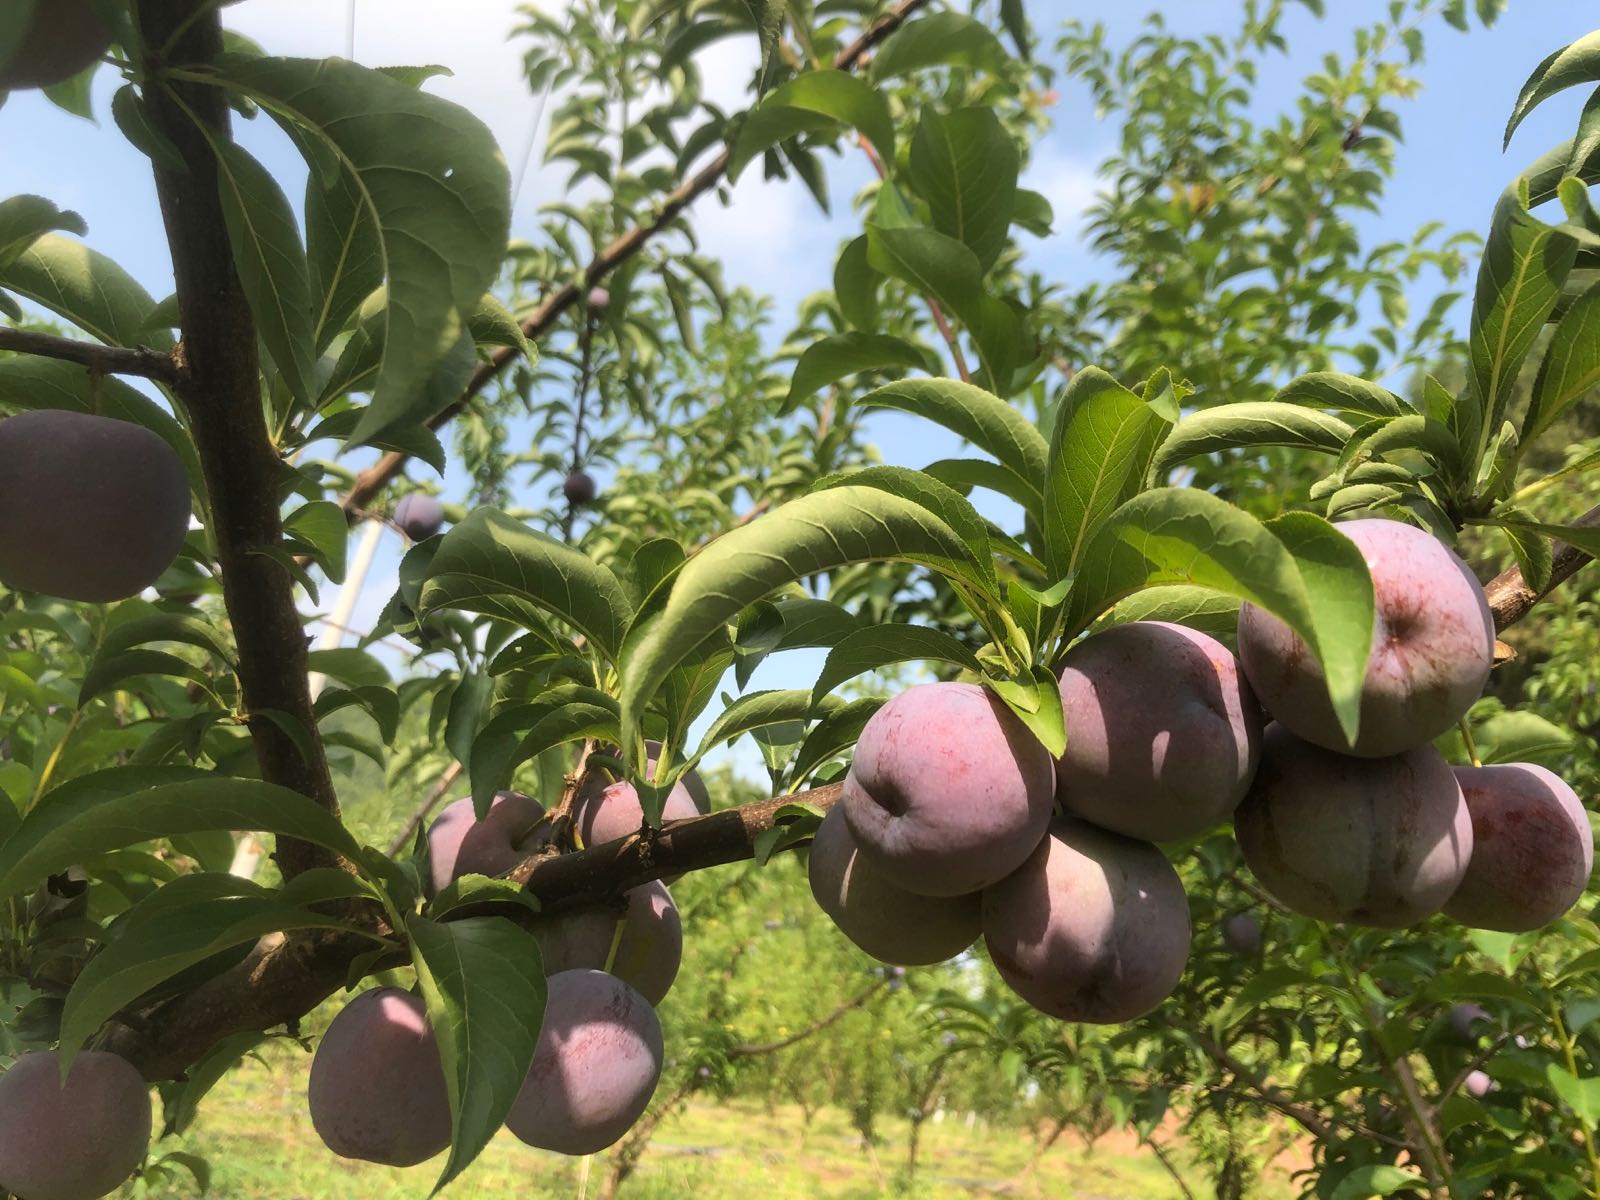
(258, 1138)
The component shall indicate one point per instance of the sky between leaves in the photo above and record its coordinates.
(1450, 167)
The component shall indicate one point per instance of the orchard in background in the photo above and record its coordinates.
(1205, 815)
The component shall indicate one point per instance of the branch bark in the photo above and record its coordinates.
(1511, 597)
(102, 360)
(220, 389)
(371, 481)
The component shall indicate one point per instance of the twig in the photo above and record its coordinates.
(934, 307)
(403, 838)
(104, 360)
(753, 1049)
(371, 481)
(1510, 596)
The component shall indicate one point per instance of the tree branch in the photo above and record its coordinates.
(371, 481)
(220, 390)
(1511, 597)
(102, 360)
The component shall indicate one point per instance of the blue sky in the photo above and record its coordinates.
(772, 237)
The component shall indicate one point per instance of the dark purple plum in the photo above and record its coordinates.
(1532, 848)
(1093, 927)
(1368, 841)
(460, 844)
(579, 488)
(648, 953)
(1163, 734)
(74, 1142)
(948, 791)
(596, 1066)
(888, 922)
(419, 516)
(377, 1089)
(1432, 647)
(91, 508)
(1241, 933)
(1464, 1019)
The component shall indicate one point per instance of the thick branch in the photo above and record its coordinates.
(371, 481)
(220, 390)
(1510, 596)
(103, 360)
(286, 977)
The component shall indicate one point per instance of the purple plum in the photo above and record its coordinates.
(74, 1142)
(648, 953)
(460, 844)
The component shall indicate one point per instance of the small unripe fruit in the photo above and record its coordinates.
(1371, 841)
(1532, 848)
(1163, 734)
(948, 791)
(377, 1090)
(1241, 933)
(1478, 1084)
(91, 508)
(1463, 1018)
(419, 516)
(1432, 648)
(77, 1142)
(579, 488)
(64, 38)
(1093, 927)
(596, 1066)
(460, 844)
(599, 298)
(888, 922)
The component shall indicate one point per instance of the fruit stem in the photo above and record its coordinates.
(616, 943)
(55, 757)
(1466, 738)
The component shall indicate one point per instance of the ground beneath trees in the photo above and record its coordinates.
(261, 1145)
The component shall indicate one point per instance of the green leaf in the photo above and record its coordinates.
(85, 287)
(1378, 1179)
(883, 645)
(124, 806)
(1582, 1096)
(1197, 607)
(322, 528)
(492, 324)
(128, 111)
(980, 417)
(1103, 438)
(434, 182)
(831, 359)
(348, 665)
(1571, 367)
(493, 564)
(109, 671)
(964, 474)
(756, 710)
(855, 285)
(944, 39)
(831, 736)
(964, 165)
(809, 103)
(1035, 699)
(1534, 556)
(177, 926)
(949, 505)
(180, 1105)
(270, 261)
(1516, 736)
(1346, 393)
(562, 714)
(945, 270)
(344, 252)
(1302, 570)
(1568, 67)
(1524, 265)
(1249, 424)
(483, 982)
(815, 533)
(25, 219)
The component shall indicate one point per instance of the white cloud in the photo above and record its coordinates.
(1067, 180)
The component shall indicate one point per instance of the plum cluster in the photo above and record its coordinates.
(377, 1088)
(955, 822)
